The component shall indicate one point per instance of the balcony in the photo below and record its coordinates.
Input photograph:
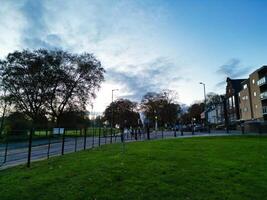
(263, 95)
(264, 110)
(262, 81)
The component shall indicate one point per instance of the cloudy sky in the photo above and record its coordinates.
(146, 45)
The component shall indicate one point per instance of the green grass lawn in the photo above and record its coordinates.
(191, 168)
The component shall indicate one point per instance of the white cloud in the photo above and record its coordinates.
(124, 36)
(11, 25)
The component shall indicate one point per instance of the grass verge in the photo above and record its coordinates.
(191, 168)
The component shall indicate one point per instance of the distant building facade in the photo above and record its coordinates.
(215, 112)
(232, 110)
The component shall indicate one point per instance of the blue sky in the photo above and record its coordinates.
(146, 45)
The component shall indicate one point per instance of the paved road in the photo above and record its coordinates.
(17, 153)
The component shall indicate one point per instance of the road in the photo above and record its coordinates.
(17, 153)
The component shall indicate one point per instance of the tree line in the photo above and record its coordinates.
(161, 108)
(47, 88)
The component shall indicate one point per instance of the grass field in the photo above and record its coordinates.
(191, 168)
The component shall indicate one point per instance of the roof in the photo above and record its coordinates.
(245, 81)
(264, 67)
(236, 83)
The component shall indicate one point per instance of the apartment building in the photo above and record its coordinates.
(253, 96)
(262, 89)
(244, 97)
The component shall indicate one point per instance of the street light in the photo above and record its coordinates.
(112, 115)
(204, 87)
(205, 102)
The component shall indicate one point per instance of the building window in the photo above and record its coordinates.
(245, 109)
(233, 101)
(255, 94)
(245, 97)
(239, 94)
(253, 81)
(256, 106)
(245, 86)
(230, 102)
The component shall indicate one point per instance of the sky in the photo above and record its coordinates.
(146, 45)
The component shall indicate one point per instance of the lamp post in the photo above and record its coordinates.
(112, 115)
(156, 120)
(205, 102)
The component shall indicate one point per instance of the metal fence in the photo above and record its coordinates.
(24, 147)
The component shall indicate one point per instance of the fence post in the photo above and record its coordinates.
(175, 132)
(6, 148)
(135, 134)
(148, 133)
(84, 141)
(111, 135)
(30, 148)
(243, 129)
(48, 148)
(99, 138)
(105, 135)
(63, 143)
(260, 129)
(93, 142)
(76, 138)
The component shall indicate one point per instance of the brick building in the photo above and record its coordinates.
(232, 110)
(253, 96)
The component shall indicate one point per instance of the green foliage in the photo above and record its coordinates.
(44, 82)
(124, 113)
(231, 168)
(194, 112)
(17, 124)
(74, 119)
(161, 107)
